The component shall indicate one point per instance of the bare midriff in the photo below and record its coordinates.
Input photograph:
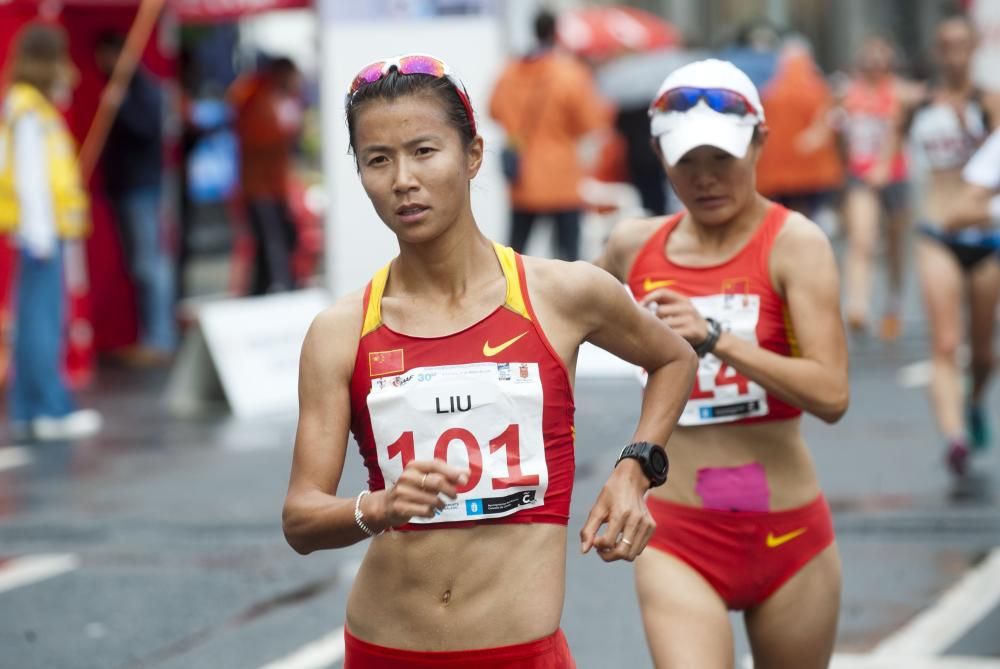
(939, 192)
(776, 445)
(460, 589)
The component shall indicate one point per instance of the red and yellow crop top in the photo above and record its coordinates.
(494, 397)
(739, 295)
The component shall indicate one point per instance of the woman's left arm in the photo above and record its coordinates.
(805, 272)
(612, 320)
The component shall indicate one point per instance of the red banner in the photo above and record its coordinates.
(192, 11)
(197, 11)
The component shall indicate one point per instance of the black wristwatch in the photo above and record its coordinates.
(652, 459)
(714, 332)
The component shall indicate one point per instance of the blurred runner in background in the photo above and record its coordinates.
(959, 272)
(872, 107)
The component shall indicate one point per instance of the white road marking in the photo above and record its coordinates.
(34, 568)
(14, 456)
(912, 662)
(952, 616)
(919, 644)
(849, 661)
(319, 654)
(916, 375)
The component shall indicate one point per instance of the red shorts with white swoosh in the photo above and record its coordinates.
(744, 555)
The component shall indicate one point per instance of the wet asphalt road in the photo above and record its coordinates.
(175, 556)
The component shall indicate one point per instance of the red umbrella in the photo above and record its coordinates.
(603, 32)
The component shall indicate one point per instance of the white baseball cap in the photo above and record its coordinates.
(680, 131)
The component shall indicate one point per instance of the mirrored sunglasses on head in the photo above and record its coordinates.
(720, 100)
(407, 65)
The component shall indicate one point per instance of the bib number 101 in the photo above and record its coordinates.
(508, 441)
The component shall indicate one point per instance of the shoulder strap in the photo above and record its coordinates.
(655, 243)
(774, 221)
(516, 299)
(373, 301)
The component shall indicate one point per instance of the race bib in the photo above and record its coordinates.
(866, 136)
(483, 416)
(721, 394)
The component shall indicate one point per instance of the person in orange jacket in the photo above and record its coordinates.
(546, 102)
(269, 118)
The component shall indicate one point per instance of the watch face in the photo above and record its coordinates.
(657, 460)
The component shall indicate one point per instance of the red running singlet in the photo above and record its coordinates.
(871, 114)
(739, 295)
(495, 398)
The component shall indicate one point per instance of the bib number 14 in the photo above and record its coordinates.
(726, 376)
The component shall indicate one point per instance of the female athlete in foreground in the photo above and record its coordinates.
(454, 372)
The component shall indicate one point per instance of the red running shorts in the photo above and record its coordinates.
(551, 652)
(745, 555)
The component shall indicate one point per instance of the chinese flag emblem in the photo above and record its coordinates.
(381, 363)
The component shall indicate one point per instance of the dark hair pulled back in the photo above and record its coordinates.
(394, 85)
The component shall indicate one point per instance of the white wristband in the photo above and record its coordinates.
(359, 519)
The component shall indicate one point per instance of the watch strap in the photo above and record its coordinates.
(714, 332)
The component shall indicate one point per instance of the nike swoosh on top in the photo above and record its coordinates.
(490, 351)
(650, 285)
(774, 542)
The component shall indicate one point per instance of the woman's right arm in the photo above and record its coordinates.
(314, 517)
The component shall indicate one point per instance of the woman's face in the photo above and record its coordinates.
(875, 57)
(954, 46)
(713, 185)
(413, 165)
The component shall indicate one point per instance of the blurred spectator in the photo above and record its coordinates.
(546, 102)
(133, 175)
(755, 51)
(42, 201)
(209, 174)
(645, 171)
(800, 166)
(269, 117)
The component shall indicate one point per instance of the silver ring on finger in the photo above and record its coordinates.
(626, 542)
(424, 480)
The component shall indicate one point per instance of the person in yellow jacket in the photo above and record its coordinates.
(42, 205)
